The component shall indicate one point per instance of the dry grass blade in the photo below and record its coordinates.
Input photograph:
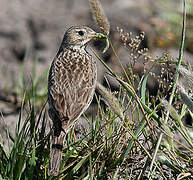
(185, 97)
(111, 100)
(188, 76)
(99, 16)
(171, 110)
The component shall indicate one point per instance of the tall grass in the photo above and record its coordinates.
(28, 153)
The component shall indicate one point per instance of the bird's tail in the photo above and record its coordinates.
(56, 154)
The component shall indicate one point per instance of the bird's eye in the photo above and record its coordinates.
(81, 33)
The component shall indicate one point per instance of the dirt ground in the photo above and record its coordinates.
(31, 30)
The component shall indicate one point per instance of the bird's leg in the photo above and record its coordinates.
(73, 133)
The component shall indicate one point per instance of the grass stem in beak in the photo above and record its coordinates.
(102, 36)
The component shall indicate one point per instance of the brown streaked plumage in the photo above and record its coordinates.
(71, 85)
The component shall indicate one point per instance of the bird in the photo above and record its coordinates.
(71, 85)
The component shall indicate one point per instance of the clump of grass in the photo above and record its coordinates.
(27, 155)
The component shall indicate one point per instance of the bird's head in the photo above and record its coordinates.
(79, 36)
